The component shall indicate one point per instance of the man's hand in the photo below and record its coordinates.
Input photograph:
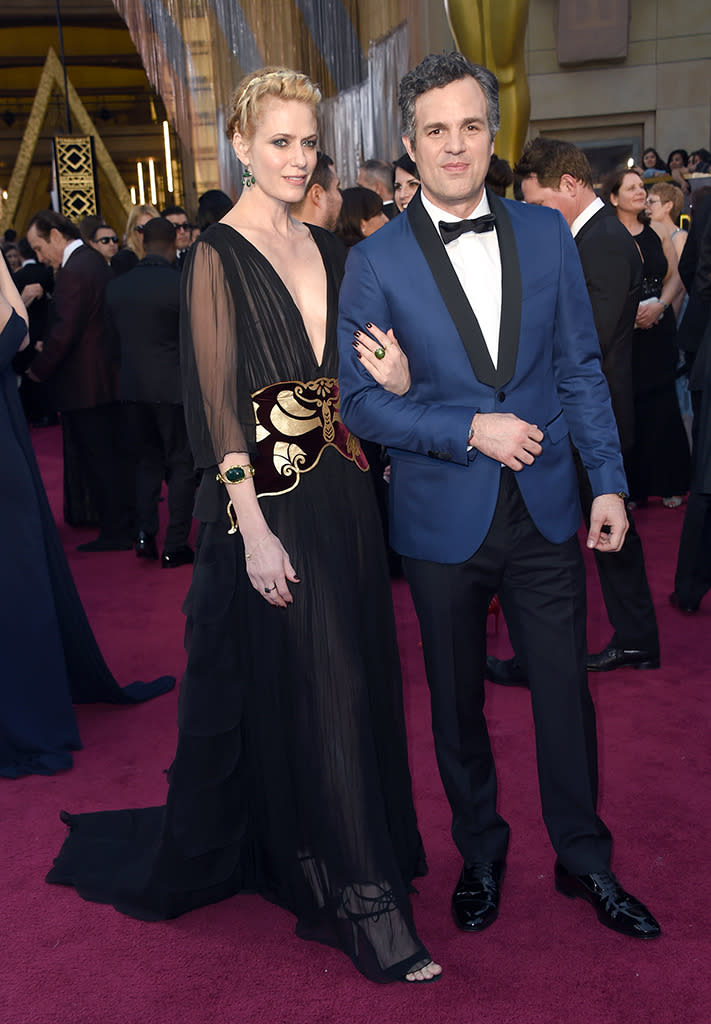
(31, 292)
(608, 523)
(506, 438)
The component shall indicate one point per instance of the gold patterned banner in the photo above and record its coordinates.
(76, 175)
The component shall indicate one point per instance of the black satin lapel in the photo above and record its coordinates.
(510, 328)
(451, 290)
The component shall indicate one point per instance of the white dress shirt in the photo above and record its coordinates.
(586, 215)
(477, 264)
(70, 248)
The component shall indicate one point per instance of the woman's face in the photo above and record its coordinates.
(404, 188)
(632, 195)
(13, 258)
(369, 227)
(282, 153)
(657, 209)
(649, 158)
(676, 160)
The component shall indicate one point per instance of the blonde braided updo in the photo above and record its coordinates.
(278, 82)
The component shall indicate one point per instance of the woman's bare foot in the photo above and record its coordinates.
(423, 973)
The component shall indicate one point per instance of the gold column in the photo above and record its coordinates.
(492, 33)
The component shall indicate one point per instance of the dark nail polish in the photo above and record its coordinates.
(356, 334)
(369, 326)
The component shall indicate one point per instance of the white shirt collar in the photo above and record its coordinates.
(586, 215)
(436, 214)
(70, 248)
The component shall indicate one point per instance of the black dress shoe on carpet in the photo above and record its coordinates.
(475, 901)
(107, 544)
(145, 546)
(619, 657)
(615, 908)
(687, 607)
(506, 673)
(181, 556)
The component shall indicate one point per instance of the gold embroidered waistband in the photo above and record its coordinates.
(296, 421)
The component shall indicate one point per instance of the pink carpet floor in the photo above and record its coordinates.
(545, 961)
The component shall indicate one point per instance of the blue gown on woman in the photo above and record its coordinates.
(50, 657)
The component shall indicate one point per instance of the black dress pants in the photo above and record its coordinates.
(544, 587)
(101, 446)
(162, 452)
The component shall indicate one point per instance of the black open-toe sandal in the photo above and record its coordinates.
(418, 967)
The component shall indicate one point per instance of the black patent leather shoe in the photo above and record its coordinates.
(145, 546)
(475, 900)
(506, 673)
(618, 657)
(616, 909)
(180, 556)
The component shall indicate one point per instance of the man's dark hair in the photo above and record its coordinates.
(171, 211)
(378, 170)
(322, 172)
(359, 204)
(158, 233)
(550, 159)
(45, 220)
(212, 207)
(25, 249)
(440, 69)
(10, 235)
(88, 226)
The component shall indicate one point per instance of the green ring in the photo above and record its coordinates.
(379, 353)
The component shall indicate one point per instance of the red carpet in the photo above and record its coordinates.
(545, 961)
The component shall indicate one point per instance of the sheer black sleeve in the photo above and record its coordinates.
(218, 411)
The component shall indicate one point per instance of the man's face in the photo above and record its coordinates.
(182, 227)
(333, 201)
(105, 242)
(452, 145)
(48, 250)
(554, 198)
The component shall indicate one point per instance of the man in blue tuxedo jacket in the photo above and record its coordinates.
(468, 347)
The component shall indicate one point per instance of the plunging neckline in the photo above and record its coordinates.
(290, 297)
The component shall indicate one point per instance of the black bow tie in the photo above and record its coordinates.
(449, 230)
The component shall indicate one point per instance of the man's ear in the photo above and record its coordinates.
(316, 193)
(409, 147)
(568, 184)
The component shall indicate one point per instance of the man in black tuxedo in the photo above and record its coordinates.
(485, 301)
(76, 361)
(692, 579)
(557, 174)
(142, 315)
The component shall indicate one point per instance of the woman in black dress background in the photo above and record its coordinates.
(659, 462)
(291, 775)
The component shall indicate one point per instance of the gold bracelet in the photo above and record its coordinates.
(236, 474)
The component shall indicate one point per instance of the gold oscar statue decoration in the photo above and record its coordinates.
(492, 33)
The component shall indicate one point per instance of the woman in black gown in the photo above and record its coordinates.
(291, 775)
(659, 462)
(49, 655)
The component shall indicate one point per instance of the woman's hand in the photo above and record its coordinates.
(649, 314)
(383, 358)
(269, 568)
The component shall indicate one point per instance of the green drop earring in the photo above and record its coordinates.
(247, 178)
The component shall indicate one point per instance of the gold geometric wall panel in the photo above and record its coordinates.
(52, 78)
(76, 177)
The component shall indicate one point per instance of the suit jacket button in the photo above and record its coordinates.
(501, 396)
(432, 455)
